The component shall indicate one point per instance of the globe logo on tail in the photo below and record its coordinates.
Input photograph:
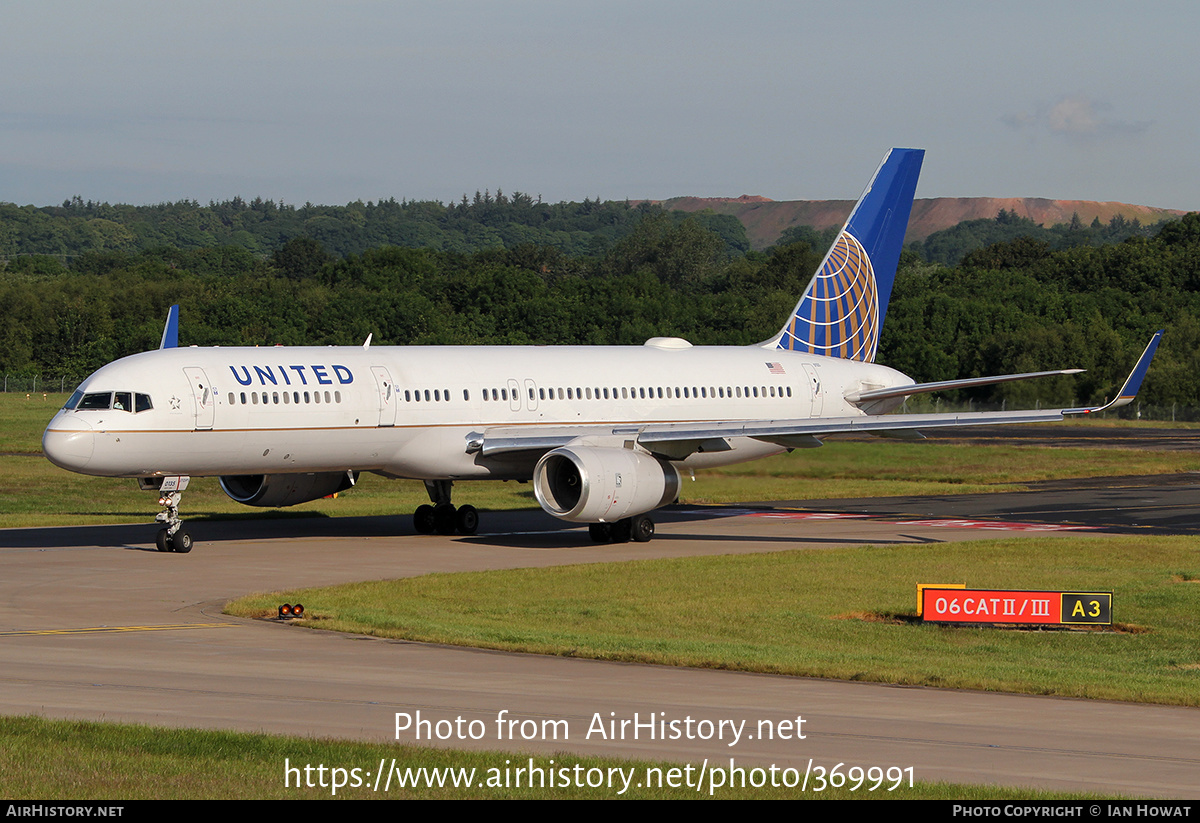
(839, 313)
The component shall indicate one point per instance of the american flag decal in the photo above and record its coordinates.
(775, 368)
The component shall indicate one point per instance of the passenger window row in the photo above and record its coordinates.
(489, 394)
(657, 392)
(428, 396)
(605, 393)
(287, 398)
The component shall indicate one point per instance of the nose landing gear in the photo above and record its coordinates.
(172, 538)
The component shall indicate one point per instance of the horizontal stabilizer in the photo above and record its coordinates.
(947, 385)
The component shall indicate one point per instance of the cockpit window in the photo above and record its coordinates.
(97, 400)
(118, 401)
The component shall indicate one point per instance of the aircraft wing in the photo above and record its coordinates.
(801, 432)
(677, 441)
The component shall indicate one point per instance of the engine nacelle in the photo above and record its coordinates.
(278, 490)
(590, 484)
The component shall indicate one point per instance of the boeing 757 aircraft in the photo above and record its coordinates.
(602, 432)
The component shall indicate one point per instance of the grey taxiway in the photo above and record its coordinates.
(95, 624)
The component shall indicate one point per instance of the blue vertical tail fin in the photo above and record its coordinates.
(841, 312)
(170, 335)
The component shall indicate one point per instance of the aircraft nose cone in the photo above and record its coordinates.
(68, 443)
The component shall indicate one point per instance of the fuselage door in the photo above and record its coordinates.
(531, 393)
(387, 395)
(818, 398)
(203, 395)
(514, 395)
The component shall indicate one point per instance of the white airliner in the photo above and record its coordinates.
(601, 431)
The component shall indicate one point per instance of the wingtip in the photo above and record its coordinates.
(1133, 383)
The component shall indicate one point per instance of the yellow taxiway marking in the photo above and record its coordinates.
(94, 629)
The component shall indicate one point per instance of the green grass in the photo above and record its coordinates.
(35, 493)
(22, 420)
(67, 760)
(842, 614)
(953, 464)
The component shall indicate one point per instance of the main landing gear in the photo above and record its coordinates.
(442, 517)
(639, 529)
(172, 538)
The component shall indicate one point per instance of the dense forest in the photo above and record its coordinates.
(949, 246)
(614, 275)
(261, 226)
(486, 221)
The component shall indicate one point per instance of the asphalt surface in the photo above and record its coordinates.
(1068, 436)
(96, 624)
(1161, 504)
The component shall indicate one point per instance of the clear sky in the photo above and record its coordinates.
(143, 102)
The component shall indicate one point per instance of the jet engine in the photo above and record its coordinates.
(588, 484)
(277, 490)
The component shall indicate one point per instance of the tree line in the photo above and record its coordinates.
(261, 226)
(951, 245)
(1018, 305)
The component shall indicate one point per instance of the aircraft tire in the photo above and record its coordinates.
(181, 543)
(642, 529)
(622, 530)
(162, 541)
(423, 520)
(467, 520)
(600, 532)
(444, 518)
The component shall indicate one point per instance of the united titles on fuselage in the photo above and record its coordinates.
(278, 375)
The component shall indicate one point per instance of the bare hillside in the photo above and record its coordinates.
(766, 219)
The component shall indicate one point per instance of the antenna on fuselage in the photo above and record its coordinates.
(170, 336)
(367, 344)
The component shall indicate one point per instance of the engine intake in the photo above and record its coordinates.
(278, 490)
(588, 484)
